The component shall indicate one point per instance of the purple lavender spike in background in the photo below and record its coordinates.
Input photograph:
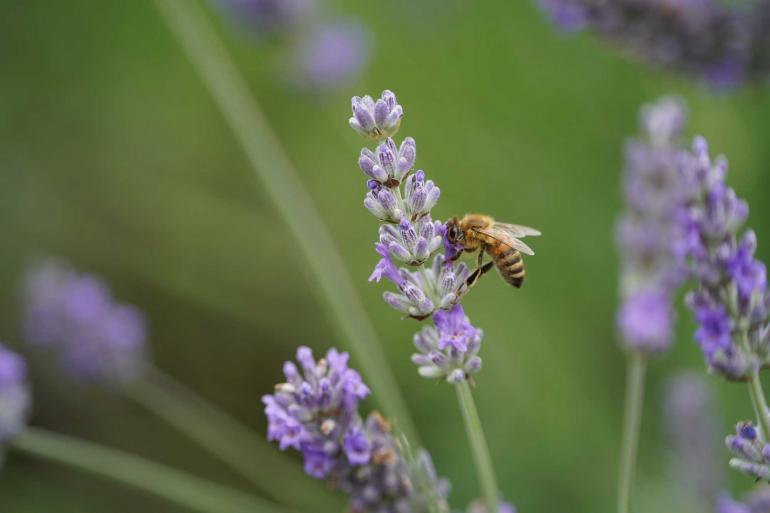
(692, 434)
(331, 55)
(15, 398)
(647, 232)
(75, 315)
(730, 304)
(268, 16)
(757, 501)
(722, 43)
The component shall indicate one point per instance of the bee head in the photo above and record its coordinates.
(453, 232)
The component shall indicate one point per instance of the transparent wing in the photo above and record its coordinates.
(518, 230)
(504, 236)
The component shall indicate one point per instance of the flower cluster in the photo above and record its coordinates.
(316, 412)
(691, 428)
(752, 453)
(14, 395)
(75, 314)
(646, 234)
(450, 348)
(321, 55)
(731, 302)
(756, 502)
(722, 43)
(402, 199)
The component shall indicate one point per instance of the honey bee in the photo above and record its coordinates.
(479, 232)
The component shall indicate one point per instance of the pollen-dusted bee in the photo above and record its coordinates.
(479, 232)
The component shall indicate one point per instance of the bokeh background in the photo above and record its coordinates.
(113, 155)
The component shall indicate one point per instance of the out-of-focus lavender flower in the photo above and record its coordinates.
(449, 349)
(723, 43)
(316, 412)
(15, 398)
(757, 501)
(376, 119)
(75, 315)
(731, 302)
(646, 230)
(691, 430)
(269, 16)
(331, 55)
(478, 506)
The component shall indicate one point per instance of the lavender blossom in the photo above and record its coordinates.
(646, 230)
(269, 16)
(412, 242)
(757, 501)
(316, 412)
(691, 430)
(421, 294)
(15, 398)
(752, 453)
(76, 316)
(721, 43)
(449, 349)
(376, 119)
(331, 55)
(731, 302)
(389, 163)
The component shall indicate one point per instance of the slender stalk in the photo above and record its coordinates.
(632, 417)
(170, 484)
(760, 405)
(272, 166)
(231, 442)
(481, 459)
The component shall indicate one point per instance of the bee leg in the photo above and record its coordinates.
(478, 273)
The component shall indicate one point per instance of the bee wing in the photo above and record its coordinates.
(505, 237)
(518, 230)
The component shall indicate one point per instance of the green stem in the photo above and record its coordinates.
(271, 164)
(632, 417)
(170, 484)
(231, 442)
(479, 449)
(759, 403)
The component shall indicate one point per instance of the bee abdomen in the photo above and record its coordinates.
(511, 266)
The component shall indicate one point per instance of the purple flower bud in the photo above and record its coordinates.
(357, 446)
(376, 120)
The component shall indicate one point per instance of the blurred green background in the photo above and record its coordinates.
(113, 155)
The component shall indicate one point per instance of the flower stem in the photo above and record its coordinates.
(760, 405)
(228, 440)
(632, 417)
(272, 166)
(173, 485)
(479, 449)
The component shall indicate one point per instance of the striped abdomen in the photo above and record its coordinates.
(509, 262)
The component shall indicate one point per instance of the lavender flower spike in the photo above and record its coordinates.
(376, 119)
(14, 395)
(731, 302)
(75, 315)
(450, 349)
(478, 506)
(646, 230)
(316, 412)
